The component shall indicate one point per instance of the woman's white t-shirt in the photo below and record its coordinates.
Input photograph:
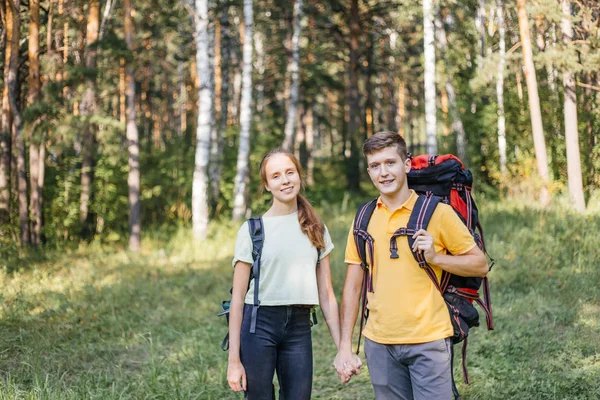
(288, 273)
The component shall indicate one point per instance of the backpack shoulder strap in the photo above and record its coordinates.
(362, 239)
(257, 234)
(419, 219)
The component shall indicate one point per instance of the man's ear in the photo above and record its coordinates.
(407, 165)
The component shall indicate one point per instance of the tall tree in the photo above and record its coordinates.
(535, 112)
(204, 127)
(217, 147)
(5, 138)
(133, 146)
(239, 195)
(290, 122)
(13, 95)
(429, 76)
(570, 111)
(353, 100)
(86, 109)
(457, 125)
(500, 86)
(32, 99)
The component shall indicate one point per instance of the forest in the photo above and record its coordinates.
(130, 140)
(116, 119)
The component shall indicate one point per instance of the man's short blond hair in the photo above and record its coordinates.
(384, 139)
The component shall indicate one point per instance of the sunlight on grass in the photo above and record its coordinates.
(100, 322)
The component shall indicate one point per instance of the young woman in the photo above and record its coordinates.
(290, 284)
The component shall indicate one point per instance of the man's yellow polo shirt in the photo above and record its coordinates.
(406, 307)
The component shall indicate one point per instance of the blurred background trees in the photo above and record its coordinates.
(121, 116)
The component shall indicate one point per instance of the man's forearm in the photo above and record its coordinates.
(471, 264)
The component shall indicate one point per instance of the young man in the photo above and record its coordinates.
(406, 336)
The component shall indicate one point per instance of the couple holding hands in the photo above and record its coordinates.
(407, 345)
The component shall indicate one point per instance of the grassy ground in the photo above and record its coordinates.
(99, 323)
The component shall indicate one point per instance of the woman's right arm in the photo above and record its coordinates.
(236, 375)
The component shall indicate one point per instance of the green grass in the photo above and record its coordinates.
(98, 323)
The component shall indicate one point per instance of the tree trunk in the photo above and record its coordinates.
(6, 136)
(122, 90)
(480, 24)
(65, 50)
(239, 196)
(133, 146)
(87, 108)
(218, 147)
(369, 123)
(203, 128)
(32, 98)
(234, 115)
(571, 132)
(260, 65)
(534, 103)
(353, 101)
(290, 123)
(401, 107)
(457, 125)
(500, 88)
(182, 97)
(310, 142)
(429, 76)
(13, 95)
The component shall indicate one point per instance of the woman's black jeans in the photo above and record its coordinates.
(282, 343)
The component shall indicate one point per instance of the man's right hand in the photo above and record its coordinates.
(347, 364)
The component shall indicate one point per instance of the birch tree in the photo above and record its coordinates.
(535, 112)
(239, 194)
(457, 125)
(570, 111)
(500, 87)
(203, 129)
(429, 76)
(133, 147)
(290, 122)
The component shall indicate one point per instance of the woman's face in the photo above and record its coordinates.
(283, 179)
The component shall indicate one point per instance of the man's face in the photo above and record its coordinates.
(388, 171)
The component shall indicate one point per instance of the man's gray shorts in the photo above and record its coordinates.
(410, 371)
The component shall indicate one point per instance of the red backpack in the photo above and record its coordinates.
(436, 179)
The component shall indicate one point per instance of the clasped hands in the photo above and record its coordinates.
(346, 365)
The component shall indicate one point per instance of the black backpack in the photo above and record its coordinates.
(257, 234)
(435, 179)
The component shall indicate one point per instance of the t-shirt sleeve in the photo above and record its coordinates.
(351, 256)
(455, 236)
(328, 243)
(243, 246)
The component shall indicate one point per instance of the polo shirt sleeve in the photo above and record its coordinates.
(243, 246)
(328, 243)
(454, 235)
(351, 256)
